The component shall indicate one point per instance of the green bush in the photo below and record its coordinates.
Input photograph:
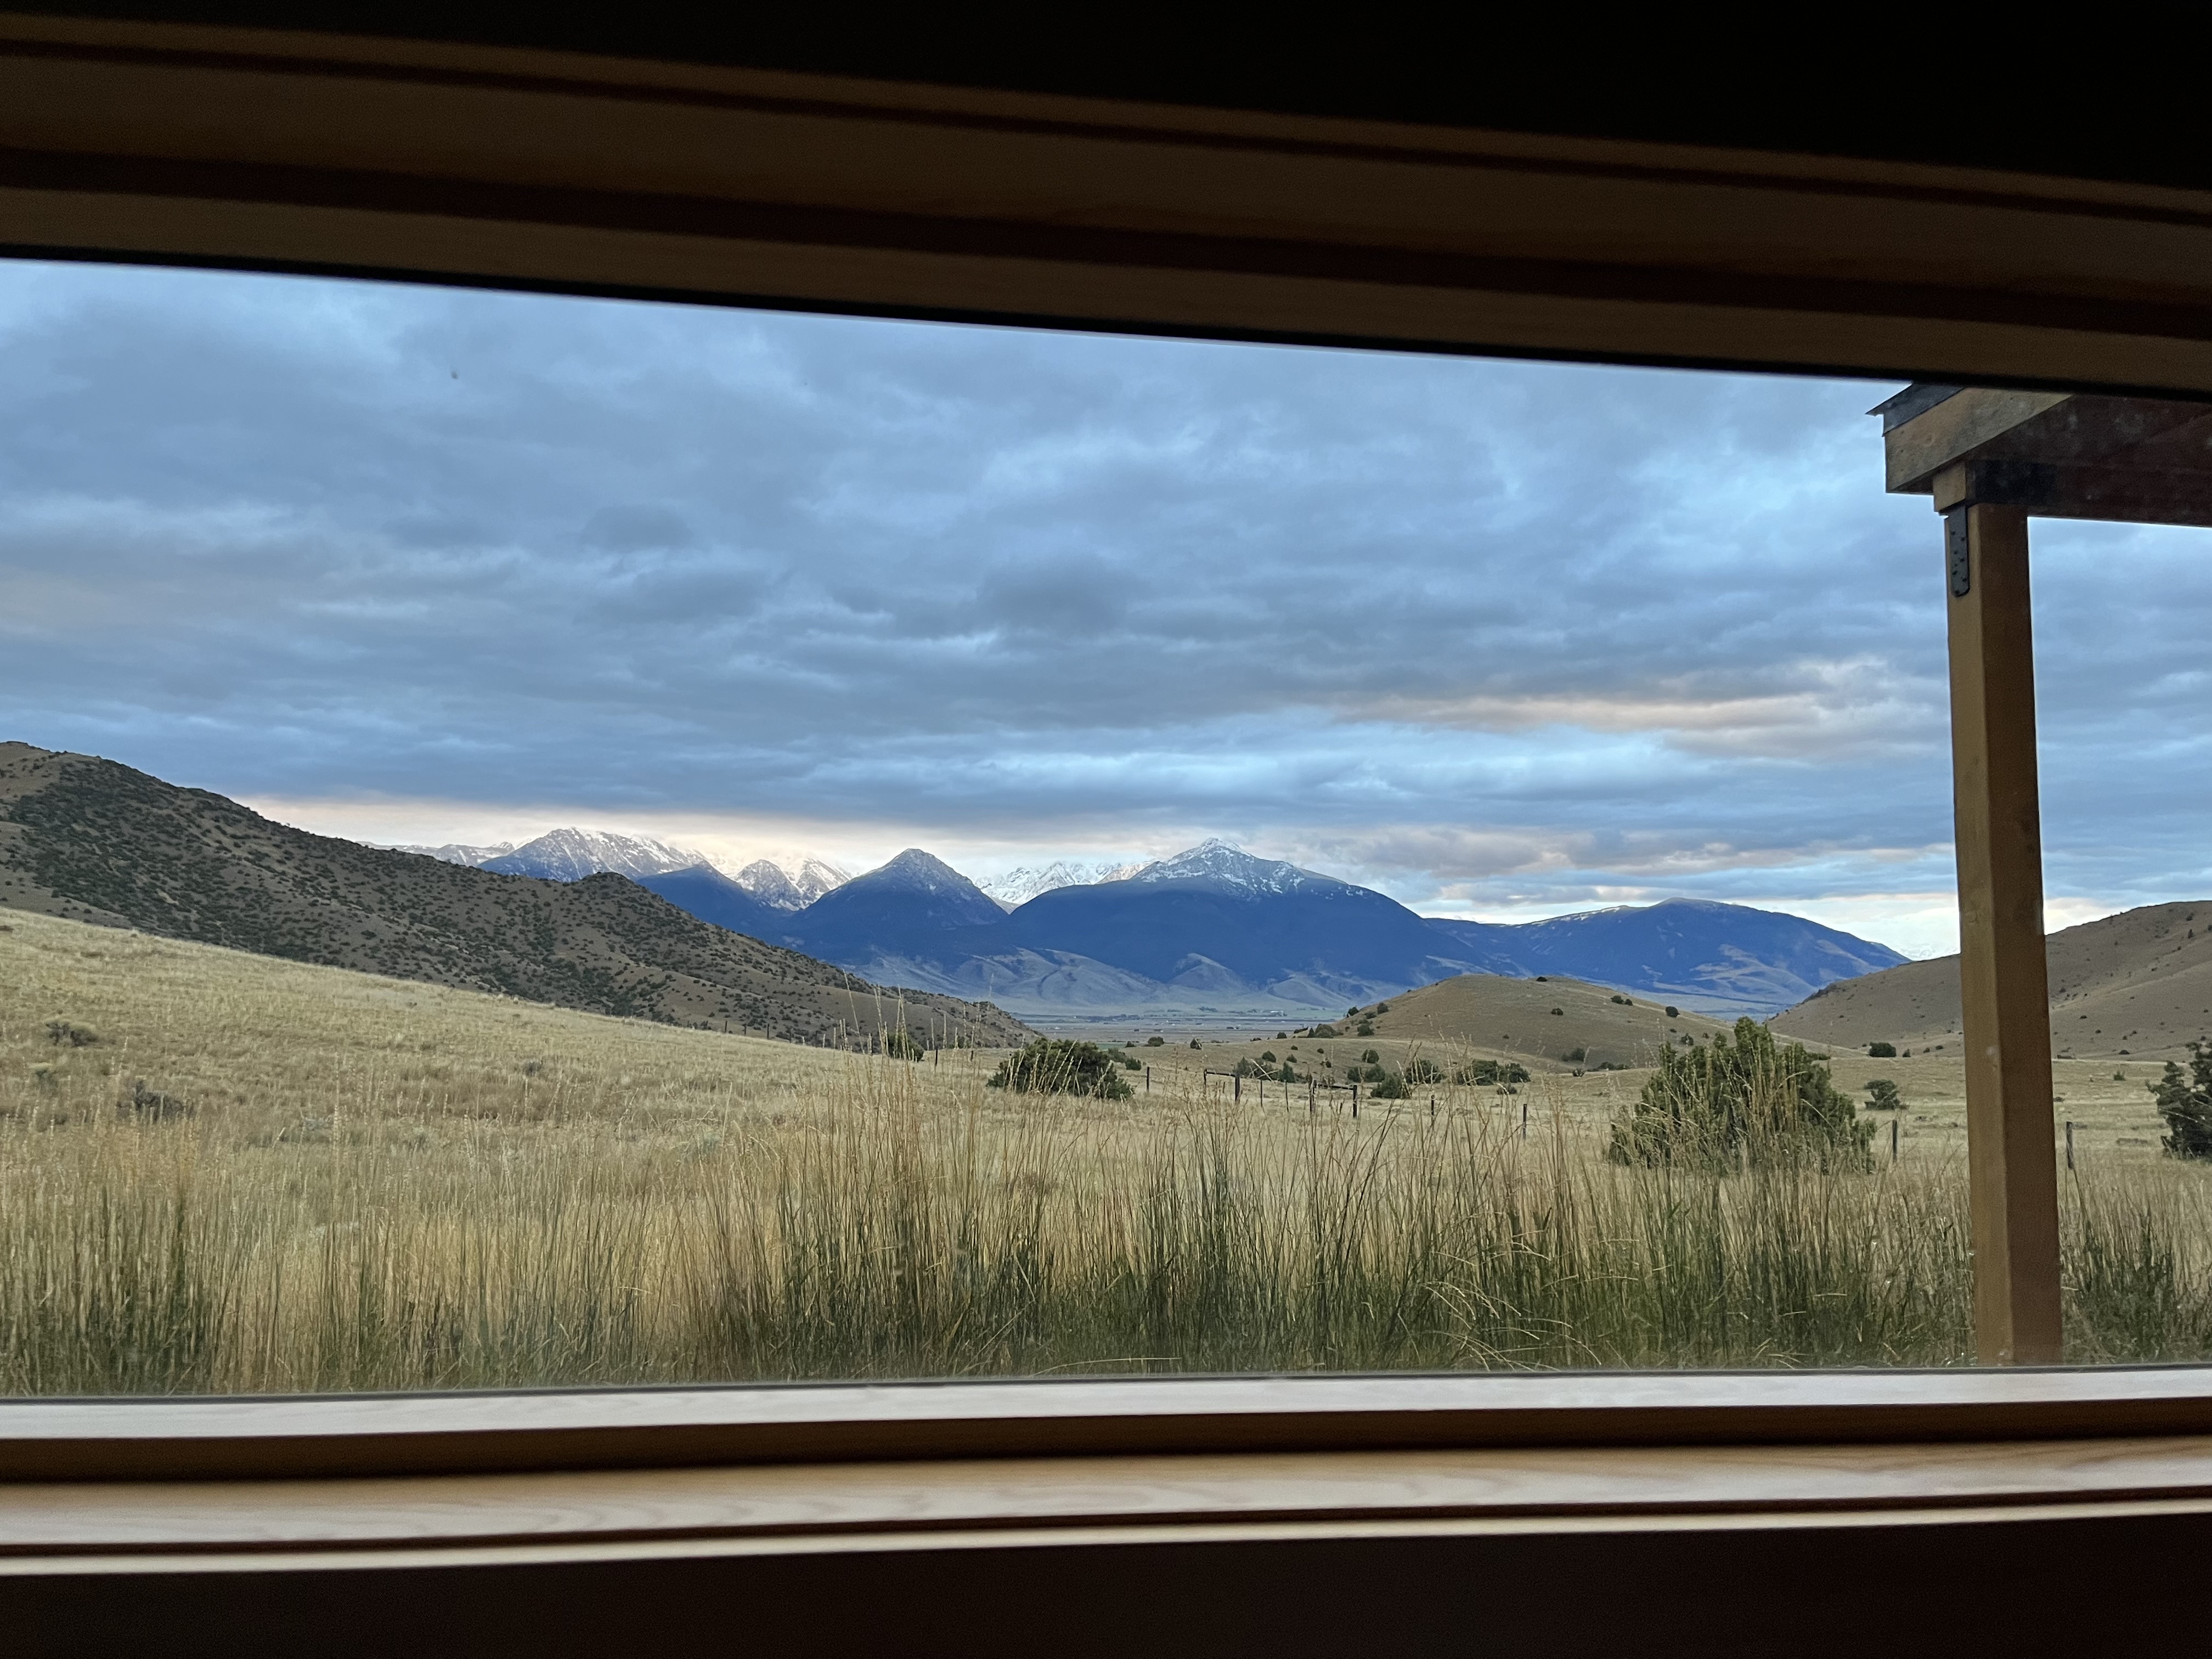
(1626, 1002)
(1881, 1051)
(2186, 1103)
(1323, 1031)
(1745, 1102)
(1576, 1056)
(1368, 1057)
(1424, 1071)
(1484, 1073)
(902, 1044)
(1673, 1012)
(1882, 1096)
(1388, 1085)
(1155, 1042)
(1558, 1011)
(1194, 1042)
(1060, 1066)
(1366, 1028)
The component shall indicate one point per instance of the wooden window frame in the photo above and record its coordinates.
(1655, 1512)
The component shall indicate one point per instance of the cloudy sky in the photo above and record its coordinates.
(1503, 639)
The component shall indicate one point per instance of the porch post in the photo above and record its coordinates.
(2010, 1156)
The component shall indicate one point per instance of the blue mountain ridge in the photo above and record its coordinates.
(1216, 930)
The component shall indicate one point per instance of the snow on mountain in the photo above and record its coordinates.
(455, 852)
(1224, 861)
(1018, 886)
(572, 855)
(773, 884)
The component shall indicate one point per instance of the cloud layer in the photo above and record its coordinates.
(1499, 637)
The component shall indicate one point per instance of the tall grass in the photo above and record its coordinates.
(888, 1227)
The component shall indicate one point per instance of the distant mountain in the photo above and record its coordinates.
(914, 900)
(773, 886)
(457, 852)
(1216, 929)
(1018, 886)
(1720, 958)
(709, 895)
(2134, 984)
(573, 854)
(97, 841)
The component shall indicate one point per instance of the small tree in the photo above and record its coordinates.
(1882, 1050)
(1060, 1066)
(1388, 1085)
(1424, 1071)
(2186, 1103)
(899, 1044)
(1673, 1012)
(1746, 1101)
(1882, 1096)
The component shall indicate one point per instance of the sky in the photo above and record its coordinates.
(1502, 639)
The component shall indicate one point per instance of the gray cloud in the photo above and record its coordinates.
(1490, 633)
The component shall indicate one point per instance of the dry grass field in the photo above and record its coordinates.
(227, 1172)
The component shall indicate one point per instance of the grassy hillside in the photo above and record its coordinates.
(96, 841)
(229, 1172)
(1512, 1018)
(2132, 985)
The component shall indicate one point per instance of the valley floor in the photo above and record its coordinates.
(227, 1172)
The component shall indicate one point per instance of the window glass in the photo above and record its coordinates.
(550, 842)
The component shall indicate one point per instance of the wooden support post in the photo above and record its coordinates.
(2011, 1162)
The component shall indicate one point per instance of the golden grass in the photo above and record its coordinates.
(329, 1180)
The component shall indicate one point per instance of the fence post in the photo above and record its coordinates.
(2070, 1144)
(1893, 1144)
(1148, 1080)
(1524, 1120)
(1355, 1096)
(1237, 1086)
(1313, 1088)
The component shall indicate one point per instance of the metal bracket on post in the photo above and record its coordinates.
(1958, 543)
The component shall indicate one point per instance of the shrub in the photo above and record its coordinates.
(1558, 1011)
(1155, 1042)
(1576, 1056)
(1366, 1028)
(1280, 1035)
(1194, 1042)
(1351, 1011)
(1060, 1066)
(1745, 1102)
(2186, 1103)
(1128, 1065)
(1424, 1071)
(1673, 1012)
(1485, 1073)
(1388, 1085)
(902, 1044)
(1882, 1096)
(1368, 1057)
(1882, 1050)
(1382, 1007)
(1323, 1031)
(62, 1033)
(1625, 1002)
(1543, 979)
(1267, 1054)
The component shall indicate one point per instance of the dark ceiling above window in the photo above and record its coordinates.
(1957, 95)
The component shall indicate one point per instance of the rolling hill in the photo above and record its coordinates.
(2134, 984)
(1514, 1017)
(93, 841)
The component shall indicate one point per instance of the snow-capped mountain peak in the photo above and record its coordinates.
(573, 854)
(1224, 861)
(771, 883)
(1018, 886)
(454, 851)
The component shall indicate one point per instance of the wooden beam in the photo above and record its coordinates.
(443, 162)
(2011, 1158)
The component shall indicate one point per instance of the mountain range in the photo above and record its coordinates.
(1217, 931)
(97, 841)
